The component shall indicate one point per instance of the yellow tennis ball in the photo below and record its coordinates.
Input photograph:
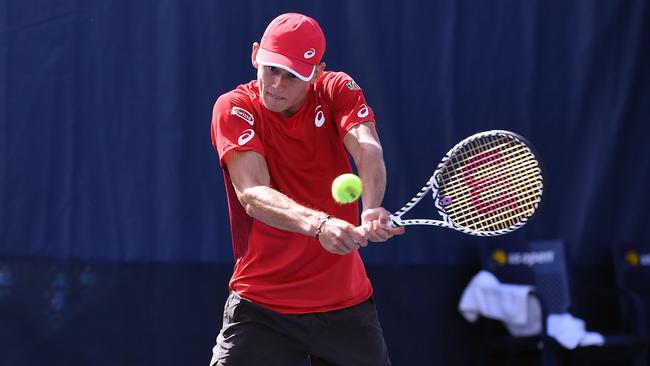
(346, 188)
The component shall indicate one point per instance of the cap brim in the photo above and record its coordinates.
(301, 70)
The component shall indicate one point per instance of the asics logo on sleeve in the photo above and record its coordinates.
(246, 136)
(319, 120)
(309, 54)
(243, 114)
(363, 112)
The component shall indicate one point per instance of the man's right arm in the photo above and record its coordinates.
(249, 175)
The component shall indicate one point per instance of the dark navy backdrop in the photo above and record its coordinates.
(105, 107)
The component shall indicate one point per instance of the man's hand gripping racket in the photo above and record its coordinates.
(488, 184)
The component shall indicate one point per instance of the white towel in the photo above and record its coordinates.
(571, 332)
(520, 312)
(512, 304)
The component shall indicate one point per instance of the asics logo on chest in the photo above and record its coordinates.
(319, 119)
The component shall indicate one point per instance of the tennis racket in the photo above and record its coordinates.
(488, 184)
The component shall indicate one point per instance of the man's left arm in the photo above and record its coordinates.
(362, 142)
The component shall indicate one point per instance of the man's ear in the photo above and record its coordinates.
(320, 68)
(256, 47)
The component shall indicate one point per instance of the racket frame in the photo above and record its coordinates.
(433, 187)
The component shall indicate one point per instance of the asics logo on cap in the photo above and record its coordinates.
(309, 54)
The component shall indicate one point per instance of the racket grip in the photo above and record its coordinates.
(390, 224)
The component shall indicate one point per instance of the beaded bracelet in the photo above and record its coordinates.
(320, 226)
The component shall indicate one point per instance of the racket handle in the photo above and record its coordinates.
(391, 222)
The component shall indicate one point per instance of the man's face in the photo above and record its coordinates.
(281, 91)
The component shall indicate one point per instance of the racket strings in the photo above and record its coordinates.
(508, 209)
(513, 206)
(526, 181)
(498, 175)
(527, 196)
(499, 211)
(502, 214)
(495, 182)
(481, 167)
(461, 159)
(481, 170)
(497, 198)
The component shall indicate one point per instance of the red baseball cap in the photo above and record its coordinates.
(292, 42)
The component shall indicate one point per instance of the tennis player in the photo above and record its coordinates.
(299, 287)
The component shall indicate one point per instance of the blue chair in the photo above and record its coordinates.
(632, 270)
(632, 267)
(543, 265)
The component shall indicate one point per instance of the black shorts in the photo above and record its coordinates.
(254, 335)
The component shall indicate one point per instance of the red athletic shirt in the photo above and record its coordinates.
(284, 271)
